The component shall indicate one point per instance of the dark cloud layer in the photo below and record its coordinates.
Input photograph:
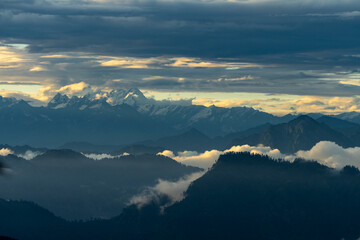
(297, 43)
(149, 28)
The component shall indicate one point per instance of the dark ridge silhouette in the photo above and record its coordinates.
(243, 196)
(26, 220)
(301, 133)
(76, 187)
(6, 238)
(248, 196)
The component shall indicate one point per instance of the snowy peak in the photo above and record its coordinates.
(58, 101)
(9, 102)
(135, 97)
(81, 103)
(132, 97)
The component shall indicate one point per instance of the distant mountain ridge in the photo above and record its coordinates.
(130, 97)
(125, 117)
(120, 117)
(301, 133)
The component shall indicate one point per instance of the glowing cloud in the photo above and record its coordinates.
(327, 153)
(199, 63)
(5, 151)
(125, 62)
(10, 58)
(74, 88)
(37, 69)
(206, 159)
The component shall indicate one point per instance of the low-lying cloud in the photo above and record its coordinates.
(28, 155)
(326, 153)
(173, 190)
(332, 155)
(206, 159)
(5, 151)
(101, 156)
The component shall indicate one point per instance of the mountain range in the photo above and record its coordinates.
(301, 133)
(75, 186)
(121, 117)
(243, 196)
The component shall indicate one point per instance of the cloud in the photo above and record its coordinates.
(332, 155)
(5, 151)
(174, 190)
(284, 104)
(327, 153)
(126, 62)
(74, 88)
(199, 63)
(102, 156)
(192, 158)
(161, 62)
(324, 152)
(32, 99)
(217, 46)
(248, 77)
(11, 58)
(345, 15)
(206, 159)
(37, 69)
(28, 155)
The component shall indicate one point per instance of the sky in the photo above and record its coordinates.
(279, 56)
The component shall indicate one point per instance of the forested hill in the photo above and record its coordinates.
(243, 196)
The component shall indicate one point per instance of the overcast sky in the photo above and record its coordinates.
(278, 56)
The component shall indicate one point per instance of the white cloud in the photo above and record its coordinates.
(174, 190)
(5, 151)
(28, 155)
(326, 153)
(332, 155)
(206, 159)
(191, 158)
(102, 156)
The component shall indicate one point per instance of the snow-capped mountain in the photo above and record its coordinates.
(132, 97)
(80, 103)
(118, 117)
(10, 102)
(59, 101)
(213, 120)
